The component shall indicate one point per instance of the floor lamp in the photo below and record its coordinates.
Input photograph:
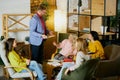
(60, 22)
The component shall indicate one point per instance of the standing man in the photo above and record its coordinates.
(38, 33)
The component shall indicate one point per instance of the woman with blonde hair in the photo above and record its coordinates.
(67, 47)
(81, 56)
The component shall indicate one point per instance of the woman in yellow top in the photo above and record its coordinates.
(16, 60)
(94, 46)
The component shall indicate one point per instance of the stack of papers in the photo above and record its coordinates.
(54, 62)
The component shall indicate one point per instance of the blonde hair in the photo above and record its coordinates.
(81, 45)
(74, 38)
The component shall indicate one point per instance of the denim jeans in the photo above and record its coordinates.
(65, 65)
(34, 66)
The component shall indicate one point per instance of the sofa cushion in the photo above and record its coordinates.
(108, 51)
(111, 51)
(84, 72)
(110, 67)
(115, 51)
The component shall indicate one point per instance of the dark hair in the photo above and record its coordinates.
(94, 35)
(9, 44)
(42, 7)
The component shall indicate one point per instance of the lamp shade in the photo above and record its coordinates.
(60, 21)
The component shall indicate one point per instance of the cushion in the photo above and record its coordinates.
(115, 51)
(84, 72)
(23, 75)
(111, 51)
(4, 58)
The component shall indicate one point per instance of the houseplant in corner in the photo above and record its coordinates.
(114, 21)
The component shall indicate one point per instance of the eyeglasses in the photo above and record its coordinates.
(44, 11)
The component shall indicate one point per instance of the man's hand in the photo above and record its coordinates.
(44, 36)
(51, 34)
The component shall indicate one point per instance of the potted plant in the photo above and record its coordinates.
(114, 21)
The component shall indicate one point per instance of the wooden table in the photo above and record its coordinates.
(107, 35)
(48, 68)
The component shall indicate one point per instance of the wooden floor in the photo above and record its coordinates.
(2, 77)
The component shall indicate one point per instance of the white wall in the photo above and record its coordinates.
(14, 7)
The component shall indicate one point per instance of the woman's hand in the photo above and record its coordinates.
(27, 61)
(66, 72)
(54, 43)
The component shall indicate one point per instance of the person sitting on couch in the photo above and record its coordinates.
(94, 46)
(67, 48)
(81, 56)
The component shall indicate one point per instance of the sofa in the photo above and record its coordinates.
(109, 69)
(84, 72)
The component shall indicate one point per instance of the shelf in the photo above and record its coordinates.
(107, 33)
(18, 30)
(15, 23)
(82, 13)
(71, 14)
(91, 14)
(103, 7)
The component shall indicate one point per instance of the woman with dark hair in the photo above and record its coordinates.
(95, 35)
(94, 46)
(17, 60)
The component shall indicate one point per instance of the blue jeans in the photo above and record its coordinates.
(65, 65)
(34, 66)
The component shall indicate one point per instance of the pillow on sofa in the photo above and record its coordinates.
(111, 51)
(84, 72)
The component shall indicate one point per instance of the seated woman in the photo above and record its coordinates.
(81, 56)
(94, 46)
(17, 60)
(67, 47)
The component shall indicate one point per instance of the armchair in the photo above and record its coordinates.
(111, 66)
(108, 69)
(11, 73)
